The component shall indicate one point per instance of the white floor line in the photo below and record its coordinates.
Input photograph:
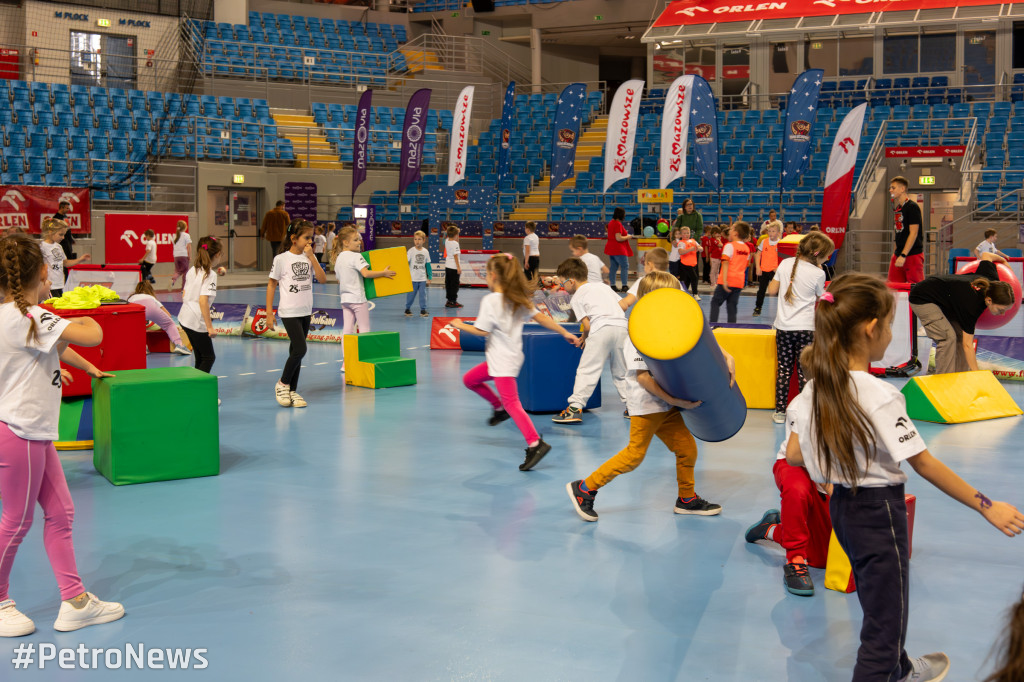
(246, 374)
(273, 370)
(321, 363)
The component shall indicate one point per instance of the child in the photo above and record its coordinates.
(673, 253)
(319, 243)
(351, 268)
(501, 318)
(148, 259)
(596, 270)
(705, 243)
(419, 266)
(988, 245)
(158, 315)
(733, 272)
(452, 268)
(715, 253)
(196, 298)
(766, 262)
(294, 269)
(604, 331)
(53, 255)
(657, 260)
(687, 249)
(182, 252)
(794, 316)
(652, 412)
(1011, 657)
(852, 430)
(329, 237)
(531, 250)
(33, 342)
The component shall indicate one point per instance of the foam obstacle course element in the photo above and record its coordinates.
(397, 258)
(839, 572)
(669, 330)
(157, 340)
(373, 360)
(549, 371)
(987, 319)
(958, 397)
(472, 343)
(443, 336)
(74, 428)
(788, 245)
(756, 368)
(131, 446)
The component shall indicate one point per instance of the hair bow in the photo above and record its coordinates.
(827, 297)
(205, 246)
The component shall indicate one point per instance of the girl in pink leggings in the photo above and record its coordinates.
(501, 318)
(158, 315)
(33, 341)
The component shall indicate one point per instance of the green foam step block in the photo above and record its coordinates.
(391, 372)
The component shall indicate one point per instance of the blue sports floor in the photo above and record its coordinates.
(388, 535)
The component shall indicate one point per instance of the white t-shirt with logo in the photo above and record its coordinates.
(599, 303)
(30, 383)
(349, 269)
(639, 401)
(418, 259)
(150, 256)
(181, 246)
(986, 247)
(594, 266)
(319, 243)
(505, 334)
(533, 241)
(451, 250)
(808, 286)
(896, 437)
(197, 283)
(53, 256)
(294, 275)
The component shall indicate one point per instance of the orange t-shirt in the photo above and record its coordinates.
(769, 256)
(737, 260)
(689, 258)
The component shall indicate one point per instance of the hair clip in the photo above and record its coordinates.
(28, 315)
(205, 246)
(827, 297)
(212, 238)
(509, 256)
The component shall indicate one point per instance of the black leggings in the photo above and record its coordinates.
(731, 300)
(147, 271)
(788, 346)
(762, 287)
(202, 349)
(688, 276)
(532, 267)
(297, 328)
(707, 271)
(451, 284)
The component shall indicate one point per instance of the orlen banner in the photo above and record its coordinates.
(842, 162)
(622, 124)
(457, 156)
(28, 206)
(123, 240)
(693, 12)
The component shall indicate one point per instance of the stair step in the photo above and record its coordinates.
(319, 164)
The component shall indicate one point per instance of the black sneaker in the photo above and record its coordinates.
(534, 455)
(798, 580)
(698, 505)
(449, 304)
(569, 415)
(759, 531)
(498, 417)
(757, 312)
(459, 305)
(424, 313)
(408, 313)
(583, 501)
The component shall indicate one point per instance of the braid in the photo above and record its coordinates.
(792, 278)
(14, 249)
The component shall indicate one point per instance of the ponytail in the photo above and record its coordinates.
(344, 235)
(811, 248)
(1011, 658)
(182, 226)
(516, 289)
(1001, 293)
(209, 248)
(21, 260)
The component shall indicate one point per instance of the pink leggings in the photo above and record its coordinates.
(353, 314)
(156, 315)
(509, 392)
(30, 472)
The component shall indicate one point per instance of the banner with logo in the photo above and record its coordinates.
(412, 138)
(568, 117)
(842, 162)
(27, 206)
(459, 150)
(123, 235)
(325, 326)
(508, 111)
(227, 318)
(622, 125)
(800, 113)
(695, 12)
(360, 150)
(704, 121)
(675, 125)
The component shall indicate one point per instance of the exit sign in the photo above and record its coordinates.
(598, 17)
(816, 46)
(238, 180)
(927, 180)
(105, 23)
(485, 33)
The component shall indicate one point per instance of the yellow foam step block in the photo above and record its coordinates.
(958, 397)
(754, 351)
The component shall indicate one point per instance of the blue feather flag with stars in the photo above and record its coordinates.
(800, 113)
(568, 118)
(508, 112)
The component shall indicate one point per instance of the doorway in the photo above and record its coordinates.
(103, 60)
(236, 216)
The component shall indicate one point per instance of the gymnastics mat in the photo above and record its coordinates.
(396, 257)
(958, 397)
(754, 351)
(839, 572)
(74, 426)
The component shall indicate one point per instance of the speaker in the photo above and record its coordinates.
(483, 5)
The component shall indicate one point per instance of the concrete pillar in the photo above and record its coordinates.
(535, 58)
(231, 11)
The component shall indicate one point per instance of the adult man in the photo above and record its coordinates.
(907, 263)
(275, 224)
(67, 244)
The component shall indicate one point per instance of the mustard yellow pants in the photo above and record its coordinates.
(671, 430)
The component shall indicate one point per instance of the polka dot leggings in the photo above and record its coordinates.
(788, 346)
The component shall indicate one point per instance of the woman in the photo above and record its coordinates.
(949, 307)
(692, 219)
(617, 248)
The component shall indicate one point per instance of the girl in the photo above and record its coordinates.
(733, 273)
(196, 298)
(158, 315)
(419, 268)
(53, 255)
(674, 267)
(351, 268)
(294, 268)
(1011, 659)
(687, 249)
(148, 259)
(794, 317)
(617, 248)
(501, 318)
(182, 252)
(319, 243)
(852, 430)
(33, 341)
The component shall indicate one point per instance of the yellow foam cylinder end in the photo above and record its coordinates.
(666, 324)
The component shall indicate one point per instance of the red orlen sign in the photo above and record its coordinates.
(123, 235)
(909, 152)
(27, 207)
(443, 336)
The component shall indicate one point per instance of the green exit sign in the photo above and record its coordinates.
(816, 46)
(598, 17)
(927, 179)
(455, 14)
(485, 33)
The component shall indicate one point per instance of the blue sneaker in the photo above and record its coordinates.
(798, 580)
(759, 531)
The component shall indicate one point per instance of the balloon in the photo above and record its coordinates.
(648, 231)
(987, 319)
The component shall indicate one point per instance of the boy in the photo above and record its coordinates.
(732, 276)
(988, 245)
(596, 270)
(419, 267)
(319, 243)
(604, 331)
(766, 262)
(656, 261)
(653, 412)
(148, 259)
(531, 250)
(452, 268)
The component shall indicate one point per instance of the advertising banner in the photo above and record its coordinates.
(361, 141)
(835, 208)
(459, 151)
(412, 138)
(227, 317)
(622, 125)
(797, 136)
(508, 112)
(675, 128)
(704, 120)
(123, 235)
(566, 133)
(26, 207)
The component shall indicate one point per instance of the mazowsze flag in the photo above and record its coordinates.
(842, 162)
(460, 136)
(412, 138)
(622, 124)
(568, 117)
(360, 141)
(800, 113)
(675, 124)
(508, 111)
(704, 122)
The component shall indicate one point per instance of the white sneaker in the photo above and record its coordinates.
(95, 612)
(696, 297)
(296, 399)
(779, 417)
(283, 395)
(14, 623)
(181, 350)
(928, 668)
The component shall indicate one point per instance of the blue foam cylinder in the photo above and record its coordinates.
(472, 342)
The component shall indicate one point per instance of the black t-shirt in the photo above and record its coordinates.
(68, 242)
(906, 215)
(959, 301)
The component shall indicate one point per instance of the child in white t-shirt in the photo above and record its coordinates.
(452, 268)
(53, 254)
(182, 252)
(197, 299)
(293, 270)
(148, 259)
(597, 271)
(657, 260)
(604, 331)
(419, 268)
(33, 342)
(351, 268)
(158, 315)
(319, 243)
(501, 318)
(988, 245)
(531, 250)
